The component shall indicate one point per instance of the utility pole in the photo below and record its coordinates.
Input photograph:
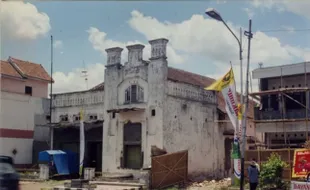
(51, 98)
(85, 75)
(244, 117)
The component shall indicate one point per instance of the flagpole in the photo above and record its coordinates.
(82, 143)
(244, 118)
(51, 99)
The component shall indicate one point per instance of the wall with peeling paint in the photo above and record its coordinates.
(70, 104)
(189, 125)
(151, 77)
(184, 114)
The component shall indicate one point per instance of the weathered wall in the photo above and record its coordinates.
(20, 113)
(71, 103)
(189, 124)
(39, 88)
(151, 77)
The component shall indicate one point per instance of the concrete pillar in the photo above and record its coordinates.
(114, 55)
(135, 54)
(159, 48)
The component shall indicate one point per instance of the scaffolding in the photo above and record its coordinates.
(283, 96)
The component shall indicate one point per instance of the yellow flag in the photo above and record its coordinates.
(240, 111)
(226, 80)
(81, 115)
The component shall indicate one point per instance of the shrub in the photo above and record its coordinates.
(271, 173)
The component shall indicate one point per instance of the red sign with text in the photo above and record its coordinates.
(301, 163)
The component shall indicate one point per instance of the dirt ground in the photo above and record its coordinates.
(38, 186)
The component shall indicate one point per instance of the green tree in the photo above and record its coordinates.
(271, 173)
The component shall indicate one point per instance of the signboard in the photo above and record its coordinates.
(301, 157)
(298, 185)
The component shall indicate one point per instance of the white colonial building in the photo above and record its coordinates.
(145, 103)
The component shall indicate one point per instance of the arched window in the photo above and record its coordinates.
(134, 94)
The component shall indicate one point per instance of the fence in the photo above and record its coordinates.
(169, 169)
(262, 156)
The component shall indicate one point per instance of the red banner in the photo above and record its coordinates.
(301, 160)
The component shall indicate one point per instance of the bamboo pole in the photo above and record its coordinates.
(282, 101)
(307, 103)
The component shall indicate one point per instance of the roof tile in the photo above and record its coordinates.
(31, 69)
(7, 69)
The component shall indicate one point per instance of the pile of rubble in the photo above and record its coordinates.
(212, 184)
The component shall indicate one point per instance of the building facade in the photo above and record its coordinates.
(143, 104)
(66, 123)
(284, 97)
(148, 103)
(24, 105)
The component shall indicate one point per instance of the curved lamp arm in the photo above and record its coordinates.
(239, 43)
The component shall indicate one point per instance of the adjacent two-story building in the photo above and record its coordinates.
(284, 95)
(24, 104)
(66, 123)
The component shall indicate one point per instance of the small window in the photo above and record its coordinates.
(28, 90)
(134, 94)
(95, 117)
(91, 117)
(153, 112)
(113, 115)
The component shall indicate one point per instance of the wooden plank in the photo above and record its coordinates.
(169, 169)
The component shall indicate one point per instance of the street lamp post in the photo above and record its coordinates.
(215, 15)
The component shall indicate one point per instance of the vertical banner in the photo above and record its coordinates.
(228, 88)
(82, 141)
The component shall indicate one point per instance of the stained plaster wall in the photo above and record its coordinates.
(201, 135)
(71, 103)
(189, 125)
(151, 77)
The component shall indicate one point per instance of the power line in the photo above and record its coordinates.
(285, 30)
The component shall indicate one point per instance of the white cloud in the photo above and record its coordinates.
(196, 35)
(58, 44)
(249, 12)
(23, 20)
(207, 37)
(100, 42)
(297, 7)
(73, 81)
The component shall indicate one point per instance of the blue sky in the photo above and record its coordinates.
(207, 51)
